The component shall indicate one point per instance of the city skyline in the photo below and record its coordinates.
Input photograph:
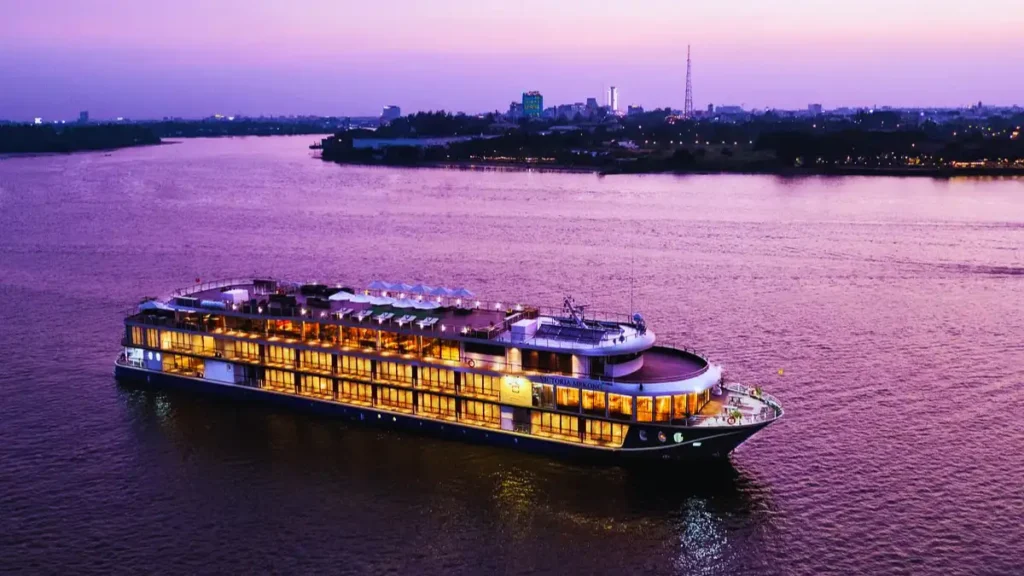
(118, 58)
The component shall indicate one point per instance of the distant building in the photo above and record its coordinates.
(83, 117)
(729, 110)
(613, 99)
(711, 108)
(814, 109)
(592, 105)
(390, 113)
(632, 110)
(515, 110)
(37, 120)
(533, 104)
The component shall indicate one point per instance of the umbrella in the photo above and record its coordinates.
(359, 298)
(379, 285)
(341, 297)
(401, 287)
(426, 305)
(404, 303)
(441, 291)
(381, 301)
(421, 289)
(462, 293)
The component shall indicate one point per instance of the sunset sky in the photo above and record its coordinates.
(193, 58)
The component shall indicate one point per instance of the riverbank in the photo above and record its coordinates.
(48, 139)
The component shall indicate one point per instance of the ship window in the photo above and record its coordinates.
(312, 360)
(437, 406)
(481, 385)
(559, 426)
(485, 349)
(663, 409)
(623, 358)
(594, 402)
(395, 372)
(246, 350)
(395, 398)
(388, 340)
(280, 356)
(280, 381)
(547, 362)
(136, 337)
(407, 344)
(284, 328)
(605, 433)
(152, 337)
(441, 379)
(568, 398)
(354, 366)
(544, 395)
(355, 392)
(481, 413)
(317, 386)
(329, 333)
(679, 410)
(644, 408)
(620, 406)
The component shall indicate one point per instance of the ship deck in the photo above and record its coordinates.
(666, 365)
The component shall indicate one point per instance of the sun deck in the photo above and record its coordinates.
(667, 365)
(738, 406)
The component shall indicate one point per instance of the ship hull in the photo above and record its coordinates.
(644, 442)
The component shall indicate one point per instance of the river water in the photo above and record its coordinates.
(894, 308)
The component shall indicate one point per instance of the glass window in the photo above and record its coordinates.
(561, 426)
(440, 379)
(544, 395)
(388, 340)
(281, 356)
(437, 406)
(249, 351)
(394, 398)
(594, 402)
(679, 407)
(152, 337)
(481, 385)
(355, 392)
(481, 413)
(606, 433)
(662, 408)
(568, 398)
(317, 386)
(620, 406)
(644, 408)
(394, 372)
(136, 337)
(279, 381)
(317, 361)
(354, 366)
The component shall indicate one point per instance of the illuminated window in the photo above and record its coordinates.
(561, 426)
(152, 337)
(319, 361)
(136, 336)
(355, 392)
(568, 398)
(354, 366)
(317, 386)
(481, 385)
(606, 433)
(481, 413)
(440, 379)
(437, 406)
(620, 406)
(281, 356)
(280, 381)
(644, 408)
(662, 408)
(394, 398)
(244, 350)
(394, 372)
(544, 395)
(594, 402)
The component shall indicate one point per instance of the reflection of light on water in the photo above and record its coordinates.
(703, 540)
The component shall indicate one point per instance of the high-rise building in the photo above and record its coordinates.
(533, 104)
(633, 110)
(390, 113)
(515, 110)
(83, 117)
(613, 99)
(814, 109)
(592, 105)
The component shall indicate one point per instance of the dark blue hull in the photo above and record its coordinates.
(655, 442)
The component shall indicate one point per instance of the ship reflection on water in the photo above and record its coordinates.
(453, 498)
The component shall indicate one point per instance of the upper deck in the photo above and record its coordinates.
(455, 314)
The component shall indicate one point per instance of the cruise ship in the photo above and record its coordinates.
(439, 360)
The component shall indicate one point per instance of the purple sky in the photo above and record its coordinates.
(143, 59)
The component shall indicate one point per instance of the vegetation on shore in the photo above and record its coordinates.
(25, 138)
(868, 143)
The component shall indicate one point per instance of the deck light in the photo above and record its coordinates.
(260, 309)
(443, 328)
(497, 306)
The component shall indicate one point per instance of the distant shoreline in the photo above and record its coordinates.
(938, 173)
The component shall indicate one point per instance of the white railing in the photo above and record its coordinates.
(754, 393)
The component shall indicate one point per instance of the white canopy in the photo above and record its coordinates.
(360, 298)
(426, 305)
(380, 300)
(401, 287)
(421, 289)
(441, 291)
(341, 297)
(404, 303)
(154, 305)
(462, 293)
(379, 285)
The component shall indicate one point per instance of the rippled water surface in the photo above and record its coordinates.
(895, 308)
